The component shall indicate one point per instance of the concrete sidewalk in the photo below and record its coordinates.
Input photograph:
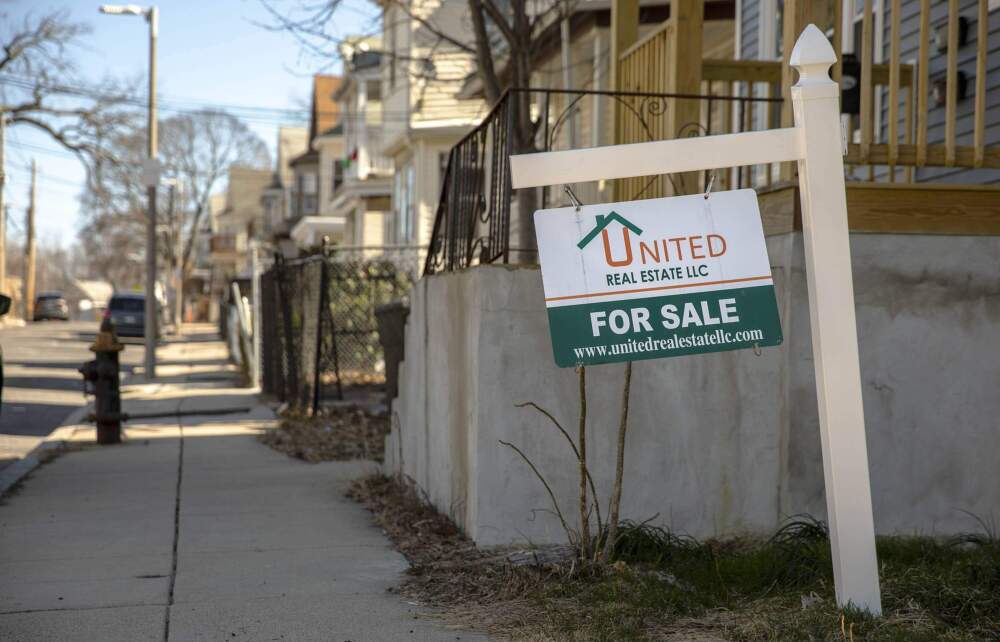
(193, 530)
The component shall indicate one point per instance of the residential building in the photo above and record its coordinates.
(312, 216)
(292, 142)
(197, 285)
(237, 217)
(361, 180)
(424, 112)
(760, 38)
(741, 447)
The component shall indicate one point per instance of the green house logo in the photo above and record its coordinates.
(601, 227)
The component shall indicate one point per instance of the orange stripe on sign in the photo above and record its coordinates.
(659, 288)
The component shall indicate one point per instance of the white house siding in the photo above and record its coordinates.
(395, 94)
(434, 100)
(331, 151)
(750, 29)
(423, 116)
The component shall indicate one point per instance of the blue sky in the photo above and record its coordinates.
(210, 51)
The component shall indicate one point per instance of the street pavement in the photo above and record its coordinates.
(194, 530)
(41, 384)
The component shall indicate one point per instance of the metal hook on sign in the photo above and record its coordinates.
(572, 197)
(756, 349)
(711, 181)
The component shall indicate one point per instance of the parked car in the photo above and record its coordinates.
(5, 302)
(127, 311)
(51, 305)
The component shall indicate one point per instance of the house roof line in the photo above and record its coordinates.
(602, 222)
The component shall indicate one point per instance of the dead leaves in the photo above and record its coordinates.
(338, 434)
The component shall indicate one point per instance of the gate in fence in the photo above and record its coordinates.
(319, 337)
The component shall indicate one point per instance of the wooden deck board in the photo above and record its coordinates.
(922, 208)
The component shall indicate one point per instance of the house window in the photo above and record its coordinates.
(338, 176)
(404, 197)
(307, 194)
(307, 183)
(373, 89)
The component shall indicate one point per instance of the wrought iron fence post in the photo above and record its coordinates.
(545, 145)
(320, 313)
(291, 370)
(333, 335)
(503, 225)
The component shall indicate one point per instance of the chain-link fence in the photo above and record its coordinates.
(319, 337)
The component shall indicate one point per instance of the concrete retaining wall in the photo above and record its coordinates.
(717, 444)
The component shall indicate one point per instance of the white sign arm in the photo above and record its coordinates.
(657, 157)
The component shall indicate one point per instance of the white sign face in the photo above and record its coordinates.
(657, 278)
(151, 169)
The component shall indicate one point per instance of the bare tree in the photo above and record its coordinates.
(113, 209)
(198, 148)
(39, 87)
(505, 39)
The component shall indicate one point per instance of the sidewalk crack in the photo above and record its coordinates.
(177, 525)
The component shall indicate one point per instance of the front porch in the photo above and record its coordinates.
(895, 208)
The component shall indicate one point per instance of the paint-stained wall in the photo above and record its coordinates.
(718, 444)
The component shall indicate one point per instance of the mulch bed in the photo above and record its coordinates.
(669, 587)
(336, 434)
(488, 591)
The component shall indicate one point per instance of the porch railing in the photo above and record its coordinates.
(905, 137)
(473, 223)
(915, 82)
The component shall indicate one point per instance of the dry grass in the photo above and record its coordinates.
(337, 434)
(665, 587)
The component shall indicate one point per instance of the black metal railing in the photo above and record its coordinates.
(472, 224)
(319, 336)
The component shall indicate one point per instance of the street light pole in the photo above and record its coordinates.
(150, 330)
(151, 303)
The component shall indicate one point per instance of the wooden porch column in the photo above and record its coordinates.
(797, 15)
(684, 77)
(624, 33)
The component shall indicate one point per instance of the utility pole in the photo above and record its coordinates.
(3, 206)
(152, 180)
(29, 249)
(152, 306)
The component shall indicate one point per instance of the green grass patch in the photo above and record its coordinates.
(665, 586)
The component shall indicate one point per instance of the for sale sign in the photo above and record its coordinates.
(657, 278)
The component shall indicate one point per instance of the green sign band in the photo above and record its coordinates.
(664, 326)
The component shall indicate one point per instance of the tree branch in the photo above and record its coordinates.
(484, 53)
(500, 20)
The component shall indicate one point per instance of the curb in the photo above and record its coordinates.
(56, 440)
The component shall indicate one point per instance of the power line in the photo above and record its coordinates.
(44, 150)
(44, 177)
(252, 113)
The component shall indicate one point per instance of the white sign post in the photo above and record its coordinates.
(815, 144)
